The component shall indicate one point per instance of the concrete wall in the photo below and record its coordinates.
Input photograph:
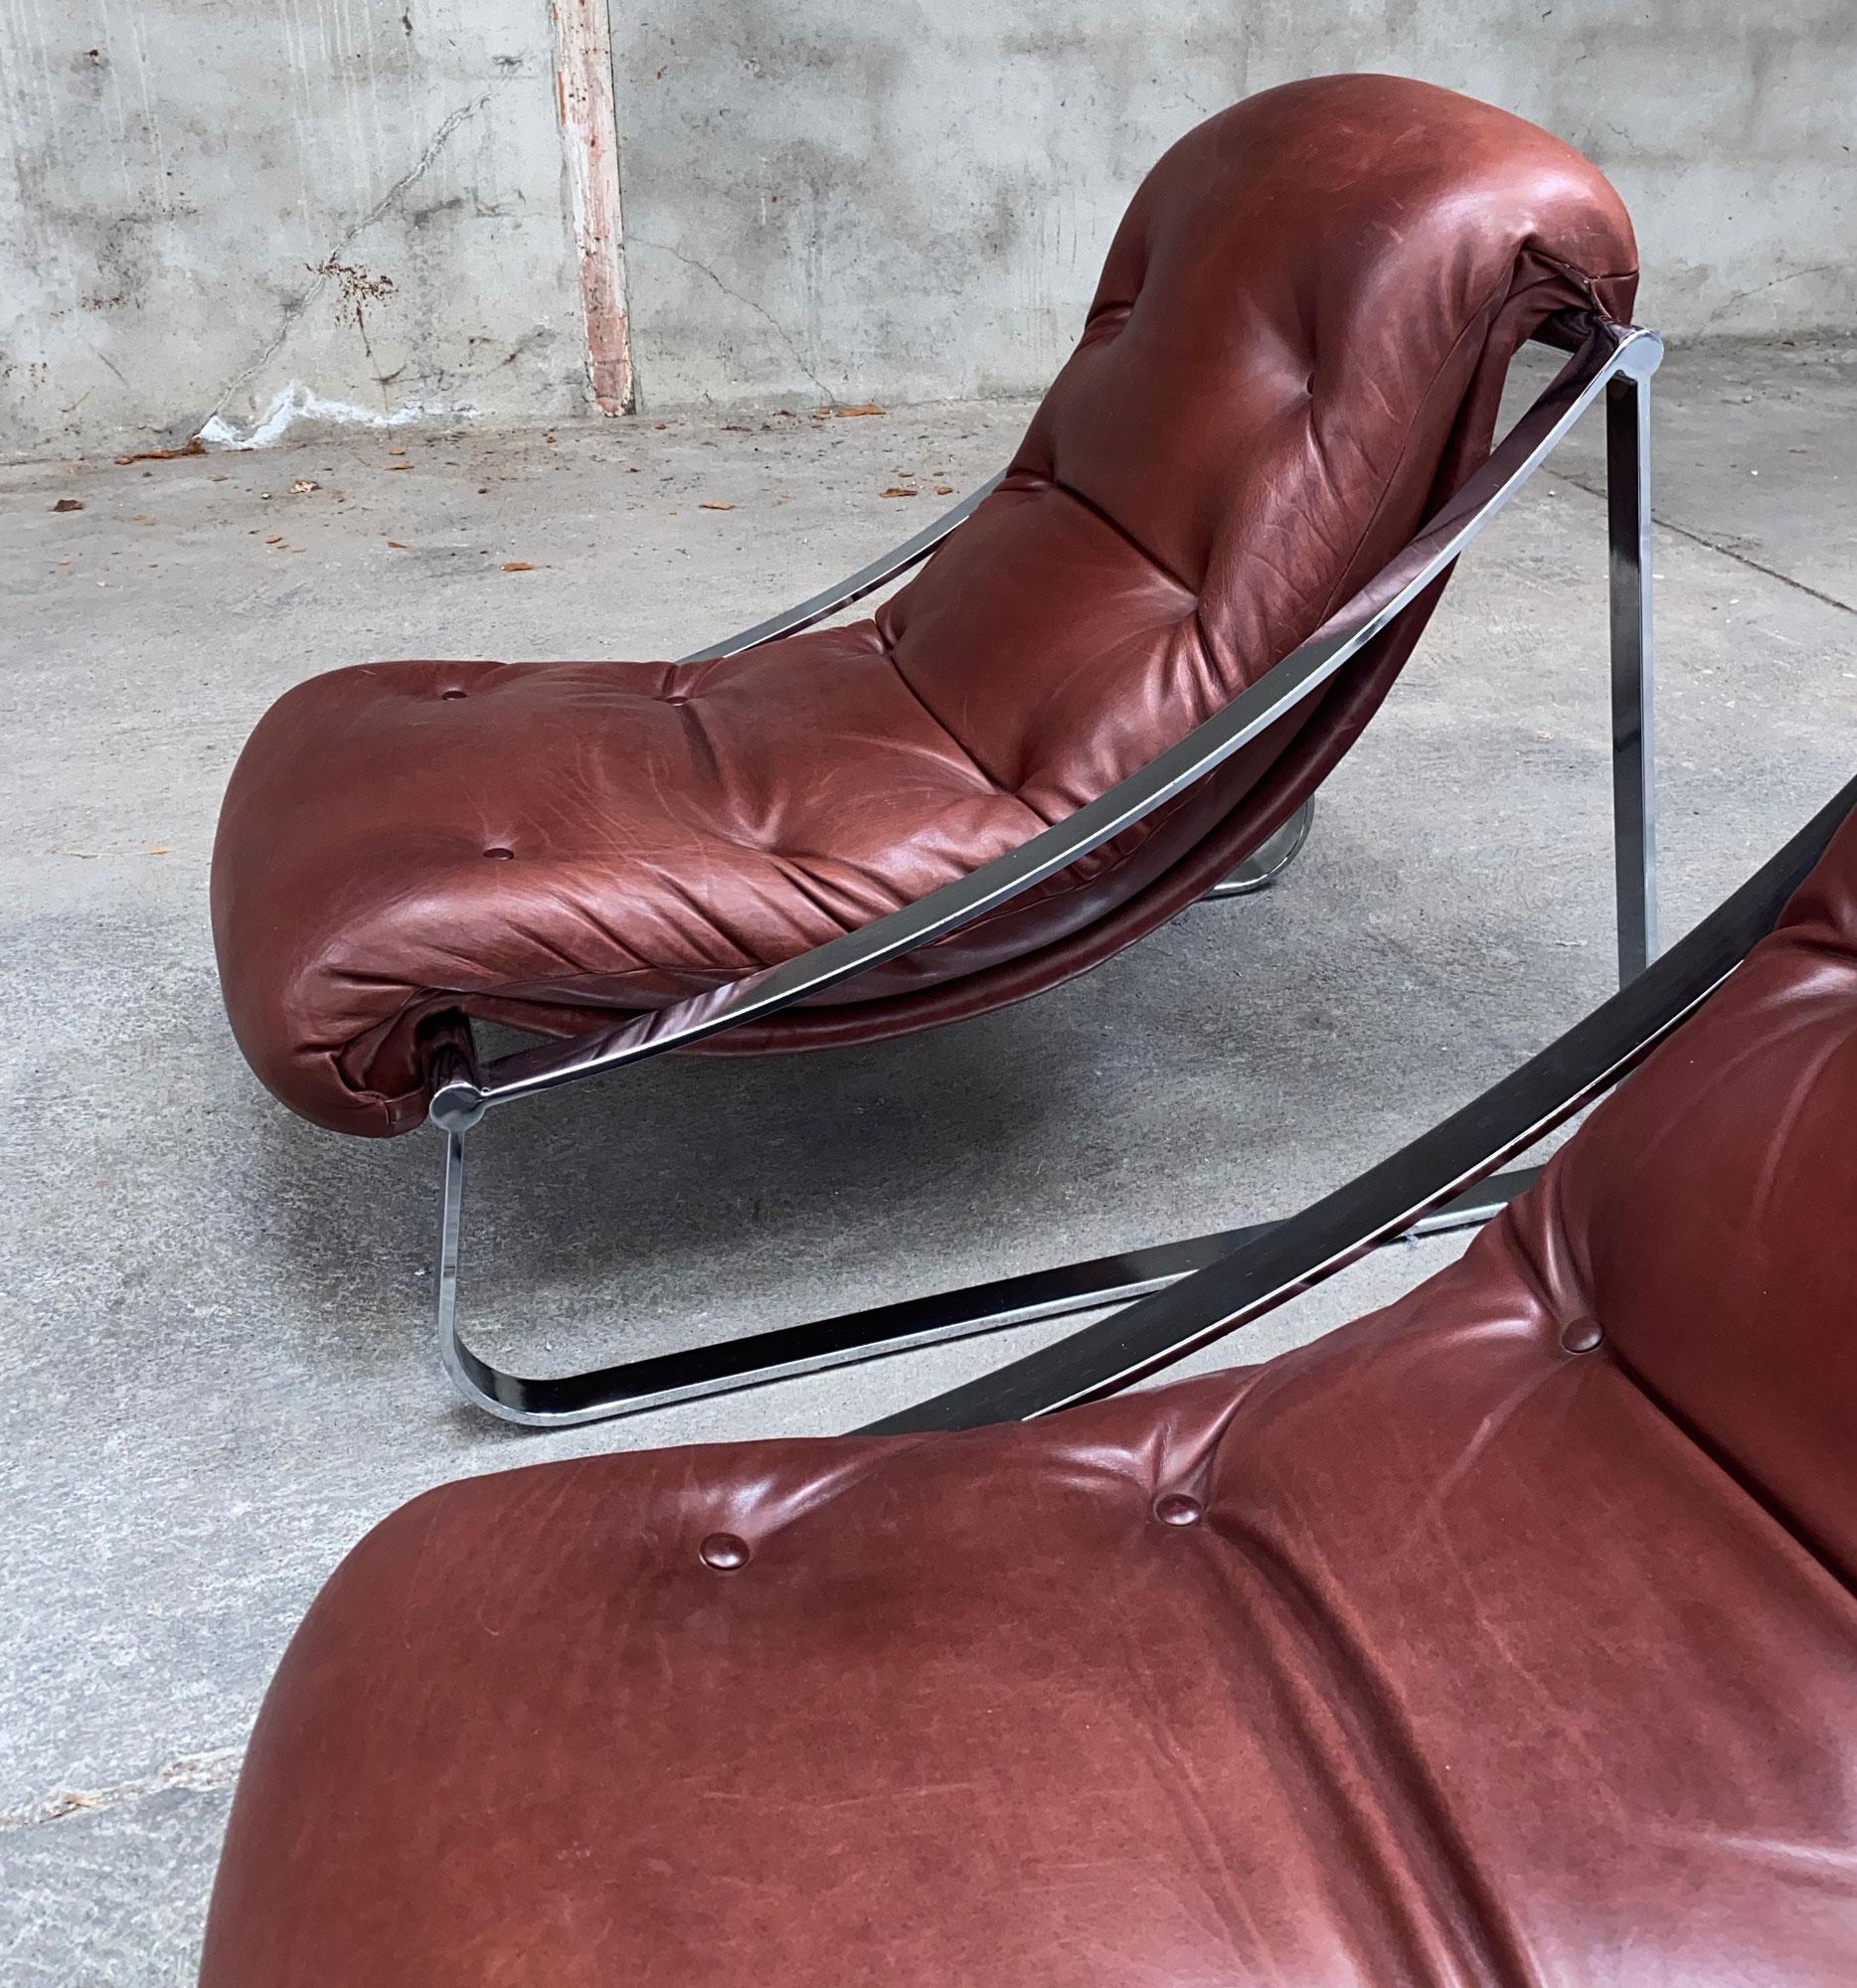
(914, 199)
(228, 209)
(215, 202)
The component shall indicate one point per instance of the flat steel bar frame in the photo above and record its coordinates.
(866, 581)
(1627, 532)
(1611, 355)
(1398, 1196)
(1271, 857)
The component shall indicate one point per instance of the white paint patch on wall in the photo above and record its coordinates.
(297, 403)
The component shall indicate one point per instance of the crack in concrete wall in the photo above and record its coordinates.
(182, 202)
(760, 310)
(323, 272)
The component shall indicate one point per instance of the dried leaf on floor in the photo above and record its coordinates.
(194, 447)
(707, 506)
(394, 546)
(896, 490)
(519, 566)
(68, 504)
(851, 413)
(305, 484)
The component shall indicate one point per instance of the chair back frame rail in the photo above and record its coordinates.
(1611, 360)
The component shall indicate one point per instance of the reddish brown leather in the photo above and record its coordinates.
(1487, 1659)
(1294, 354)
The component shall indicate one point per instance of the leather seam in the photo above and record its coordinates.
(1121, 530)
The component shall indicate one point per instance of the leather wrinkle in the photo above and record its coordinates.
(1108, 518)
(999, 786)
(1732, 1471)
(1463, 1920)
(1225, 1907)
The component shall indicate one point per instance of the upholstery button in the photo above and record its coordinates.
(722, 1550)
(1175, 1508)
(448, 695)
(501, 854)
(1580, 1335)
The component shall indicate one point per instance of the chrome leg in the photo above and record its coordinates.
(1271, 857)
(723, 1366)
(454, 1356)
(1635, 808)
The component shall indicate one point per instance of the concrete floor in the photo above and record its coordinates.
(215, 1318)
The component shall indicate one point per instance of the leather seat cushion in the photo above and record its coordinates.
(1475, 1669)
(676, 781)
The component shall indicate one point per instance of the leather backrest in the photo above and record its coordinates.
(1706, 1217)
(1295, 354)
(1268, 392)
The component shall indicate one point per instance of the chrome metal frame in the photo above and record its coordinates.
(1398, 1197)
(1614, 360)
(866, 581)
(1271, 857)
(1628, 531)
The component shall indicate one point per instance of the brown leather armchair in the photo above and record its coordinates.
(1124, 666)
(1508, 1635)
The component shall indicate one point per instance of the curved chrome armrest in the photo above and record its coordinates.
(459, 1101)
(867, 580)
(1295, 1255)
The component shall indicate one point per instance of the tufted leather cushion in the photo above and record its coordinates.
(1294, 354)
(1508, 1635)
